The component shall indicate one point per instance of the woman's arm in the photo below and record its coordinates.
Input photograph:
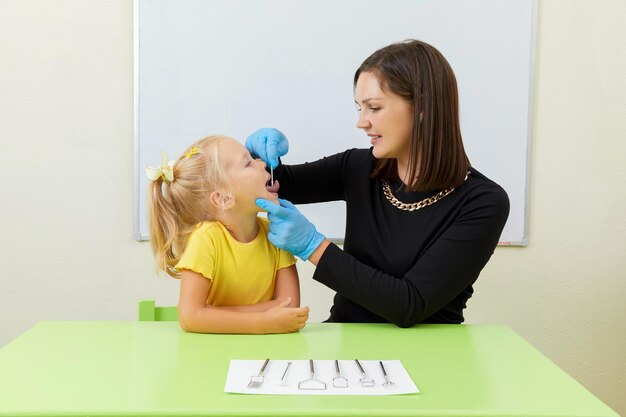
(317, 253)
(196, 316)
(305, 183)
(450, 264)
(313, 182)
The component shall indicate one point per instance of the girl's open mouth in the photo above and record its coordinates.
(272, 188)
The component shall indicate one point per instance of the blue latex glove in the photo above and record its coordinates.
(269, 144)
(289, 229)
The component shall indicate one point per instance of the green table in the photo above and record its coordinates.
(156, 369)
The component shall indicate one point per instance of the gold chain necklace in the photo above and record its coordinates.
(419, 204)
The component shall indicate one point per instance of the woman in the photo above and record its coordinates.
(421, 222)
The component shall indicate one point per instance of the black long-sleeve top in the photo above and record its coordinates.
(399, 266)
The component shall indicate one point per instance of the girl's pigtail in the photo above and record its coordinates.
(164, 229)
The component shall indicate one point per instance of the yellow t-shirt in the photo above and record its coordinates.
(241, 273)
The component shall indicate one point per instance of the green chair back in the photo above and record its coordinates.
(149, 312)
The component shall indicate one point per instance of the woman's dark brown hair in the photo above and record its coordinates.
(419, 73)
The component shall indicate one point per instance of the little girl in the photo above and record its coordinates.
(204, 229)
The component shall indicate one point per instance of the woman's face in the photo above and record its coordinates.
(385, 117)
(247, 175)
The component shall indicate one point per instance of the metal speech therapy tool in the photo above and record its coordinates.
(365, 381)
(387, 383)
(312, 383)
(257, 380)
(339, 381)
(283, 379)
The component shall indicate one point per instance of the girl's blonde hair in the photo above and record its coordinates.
(177, 207)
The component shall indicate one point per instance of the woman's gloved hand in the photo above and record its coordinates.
(289, 229)
(269, 144)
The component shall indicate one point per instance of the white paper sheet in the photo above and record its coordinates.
(240, 371)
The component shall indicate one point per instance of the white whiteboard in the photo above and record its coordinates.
(232, 66)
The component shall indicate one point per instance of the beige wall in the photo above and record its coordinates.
(66, 164)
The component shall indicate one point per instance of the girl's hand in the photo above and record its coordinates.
(285, 319)
(269, 144)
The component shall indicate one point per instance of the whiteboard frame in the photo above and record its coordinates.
(529, 140)
(525, 240)
(136, 186)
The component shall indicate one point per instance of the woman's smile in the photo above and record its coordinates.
(374, 139)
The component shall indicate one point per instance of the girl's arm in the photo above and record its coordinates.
(196, 316)
(287, 287)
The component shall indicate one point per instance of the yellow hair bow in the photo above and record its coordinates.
(193, 151)
(166, 170)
